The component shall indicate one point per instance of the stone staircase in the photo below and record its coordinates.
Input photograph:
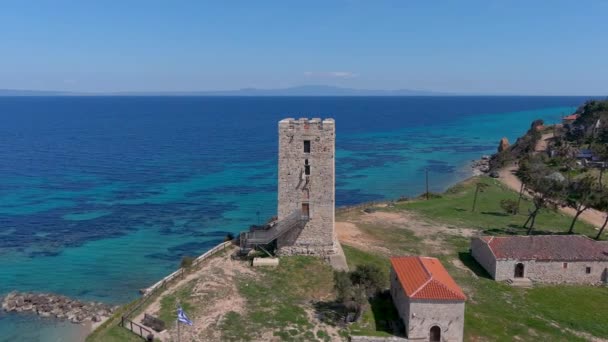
(520, 282)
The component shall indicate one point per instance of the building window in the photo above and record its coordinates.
(305, 210)
(306, 146)
(306, 168)
(565, 265)
(588, 270)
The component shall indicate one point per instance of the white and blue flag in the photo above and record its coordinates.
(181, 316)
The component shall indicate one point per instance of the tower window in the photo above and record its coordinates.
(305, 210)
(588, 270)
(565, 265)
(306, 146)
(306, 168)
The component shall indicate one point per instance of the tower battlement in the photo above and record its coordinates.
(307, 184)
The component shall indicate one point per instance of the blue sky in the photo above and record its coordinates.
(494, 47)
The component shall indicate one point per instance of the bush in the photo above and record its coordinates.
(186, 262)
(343, 286)
(369, 277)
(509, 206)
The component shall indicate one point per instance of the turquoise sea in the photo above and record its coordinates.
(102, 196)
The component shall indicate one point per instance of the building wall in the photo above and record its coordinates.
(554, 271)
(419, 316)
(449, 316)
(484, 256)
(318, 236)
(400, 300)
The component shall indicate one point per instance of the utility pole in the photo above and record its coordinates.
(426, 171)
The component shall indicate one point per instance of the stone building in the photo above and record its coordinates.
(428, 300)
(306, 194)
(307, 185)
(544, 258)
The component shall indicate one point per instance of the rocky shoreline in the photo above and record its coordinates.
(481, 166)
(57, 306)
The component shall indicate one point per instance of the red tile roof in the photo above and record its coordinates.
(571, 117)
(547, 248)
(425, 278)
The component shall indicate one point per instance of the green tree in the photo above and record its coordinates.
(601, 204)
(369, 277)
(479, 187)
(581, 195)
(344, 286)
(547, 193)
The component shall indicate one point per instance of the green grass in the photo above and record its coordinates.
(494, 310)
(276, 299)
(110, 331)
(454, 208)
(168, 304)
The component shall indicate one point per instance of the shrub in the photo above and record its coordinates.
(343, 286)
(229, 237)
(509, 206)
(369, 277)
(186, 261)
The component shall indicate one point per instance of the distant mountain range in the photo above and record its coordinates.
(307, 90)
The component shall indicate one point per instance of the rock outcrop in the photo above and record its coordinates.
(481, 166)
(52, 305)
(503, 145)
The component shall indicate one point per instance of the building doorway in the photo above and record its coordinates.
(435, 334)
(519, 270)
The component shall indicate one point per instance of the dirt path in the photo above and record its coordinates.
(432, 234)
(214, 287)
(508, 178)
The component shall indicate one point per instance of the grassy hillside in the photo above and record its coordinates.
(454, 208)
(295, 301)
(494, 311)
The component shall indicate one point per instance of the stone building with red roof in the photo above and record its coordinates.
(572, 259)
(428, 300)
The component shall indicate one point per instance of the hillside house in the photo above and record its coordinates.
(428, 300)
(572, 259)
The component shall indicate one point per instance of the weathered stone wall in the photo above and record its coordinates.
(484, 256)
(447, 315)
(400, 300)
(554, 271)
(419, 316)
(318, 189)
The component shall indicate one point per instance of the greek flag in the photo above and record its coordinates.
(181, 316)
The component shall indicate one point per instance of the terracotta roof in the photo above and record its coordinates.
(547, 247)
(571, 117)
(426, 278)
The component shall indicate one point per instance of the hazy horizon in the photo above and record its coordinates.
(471, 47)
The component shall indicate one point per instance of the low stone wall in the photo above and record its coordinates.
(61, 307)
(377, 339)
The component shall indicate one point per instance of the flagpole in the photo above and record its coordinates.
(177, 321)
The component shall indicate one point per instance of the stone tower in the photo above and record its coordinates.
(307, 185)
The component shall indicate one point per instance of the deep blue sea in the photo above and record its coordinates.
(102, 196)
